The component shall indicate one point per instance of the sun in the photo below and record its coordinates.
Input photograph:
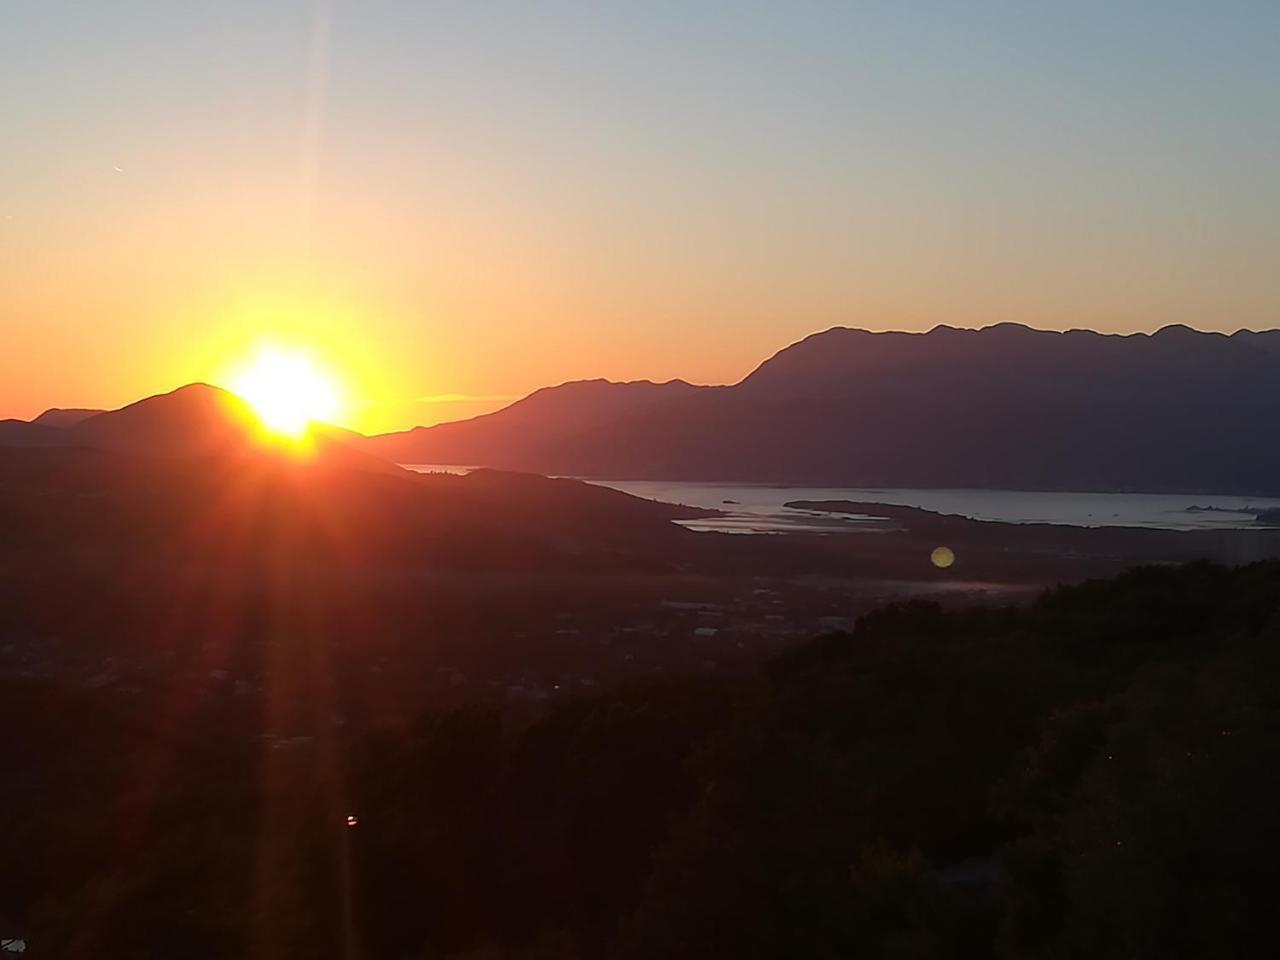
(287, 391)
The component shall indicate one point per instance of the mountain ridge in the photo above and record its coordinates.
(1000, 407)
(559, 413)
(1004, 406)
(66, 416)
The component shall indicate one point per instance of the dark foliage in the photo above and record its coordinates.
(1092, 776)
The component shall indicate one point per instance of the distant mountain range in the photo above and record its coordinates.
(1005, 407)
(1002, 407)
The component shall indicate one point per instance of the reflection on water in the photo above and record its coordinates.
(753, 508)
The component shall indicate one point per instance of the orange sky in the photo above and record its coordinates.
(448, 209)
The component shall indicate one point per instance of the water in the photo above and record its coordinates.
(759, 509)
(755, 508)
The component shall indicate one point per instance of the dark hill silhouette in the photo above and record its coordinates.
(1002, 407)
(44, 430)
(65, 416)
(188, 476)
(196, 420)
(25, 433)
(519, 435)
(69, 505)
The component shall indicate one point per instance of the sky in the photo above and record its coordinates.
(448, 205)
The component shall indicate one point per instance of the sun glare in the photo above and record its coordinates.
(287, 391)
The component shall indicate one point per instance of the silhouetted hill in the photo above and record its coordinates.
(1001, 407)
(527, 431)
(25, 433)
(69, 506)
(65, 417)
(196, 420)
(44, 430)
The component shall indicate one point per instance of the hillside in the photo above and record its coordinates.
(196, 420)
(530, 431)
(65, 416)
(66, 509)
(1001, 407)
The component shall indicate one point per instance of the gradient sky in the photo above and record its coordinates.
(452, 203)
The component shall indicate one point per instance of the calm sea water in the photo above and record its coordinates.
(755, 508)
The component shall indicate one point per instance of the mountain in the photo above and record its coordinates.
(65, 416)
(187, 476)
(196, 420)
(26, 433)
(1001, 407)
(44, 430)
(193, 420)
(96, 513)
(531, 430)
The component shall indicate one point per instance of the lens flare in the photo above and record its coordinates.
(287, 391)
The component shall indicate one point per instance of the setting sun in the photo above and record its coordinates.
(287, 390)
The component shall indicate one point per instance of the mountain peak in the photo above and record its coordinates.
(1181, 331)
(194, 420)
(1005, 406)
